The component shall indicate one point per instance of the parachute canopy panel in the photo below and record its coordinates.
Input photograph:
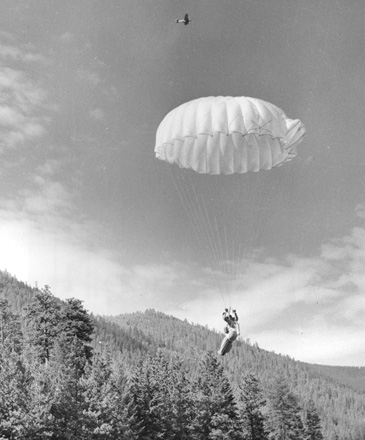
(227, 135)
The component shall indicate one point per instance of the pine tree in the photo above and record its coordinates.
(11, 336)
(76, 322)
(15, 382)
(161, 400)
(122, 408)
(181, 401)
(43, 318)
(15, 379)
(39, 420)
(283, 418)
(106, 401)
(150, 397)
(252, 402)
(67, 365)
(312, 423)
(215, 409)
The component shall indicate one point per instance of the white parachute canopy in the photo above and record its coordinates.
(227, 135)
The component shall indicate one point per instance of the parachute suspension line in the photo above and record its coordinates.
(253, 196)
(188, 209)
(211, 255)
(228, 269)
(236, 262)
(253, 210)
(236, 267)
(197, 221)
(258, 210)
(220, 232)
(202, 234)
(209, 236)
(222, 264)
(258, 216)
(217, 251)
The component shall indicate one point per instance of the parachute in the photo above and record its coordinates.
(227, 139)
(227, 135)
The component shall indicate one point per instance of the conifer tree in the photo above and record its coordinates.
(15, 396)
(312, 423)
(181, 401)
(150, 396)
(283, 418)
(161, 400)
(11, 336)
(14, 376)
(123, 407)
(76, 322)
(252, 402)
(215, 409)
(43, 320)
(142, 392)
(39, 420)
(106, 401)
(68, 405)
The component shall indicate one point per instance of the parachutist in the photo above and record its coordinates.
(232, 330)
(185, 20)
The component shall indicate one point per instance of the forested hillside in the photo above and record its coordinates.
(353, 377)
(66, 374)
(337, 403)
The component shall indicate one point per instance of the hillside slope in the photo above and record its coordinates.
(338, 392)
(353, 377)
(338, 403)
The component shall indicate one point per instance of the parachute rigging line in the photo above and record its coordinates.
(227, 136)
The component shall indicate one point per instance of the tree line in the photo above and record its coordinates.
(54, 385)
(341, 408)
(125, 342)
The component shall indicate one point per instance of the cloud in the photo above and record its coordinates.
(360, 211)
(50, 167)
(24, 109)
(66, 253)
(43, 235)
(56, 257)
(309, 308)
(318, 342)
(21, 53)
(45, 240)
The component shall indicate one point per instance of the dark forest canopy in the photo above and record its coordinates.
(67, 374)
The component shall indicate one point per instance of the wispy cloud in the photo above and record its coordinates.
(309, 308)
(24, 54)
(24, 109)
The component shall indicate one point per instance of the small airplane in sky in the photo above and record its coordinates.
(186, 20)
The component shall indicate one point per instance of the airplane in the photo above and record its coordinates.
(186, 20)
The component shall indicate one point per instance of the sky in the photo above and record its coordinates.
(87, 209)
